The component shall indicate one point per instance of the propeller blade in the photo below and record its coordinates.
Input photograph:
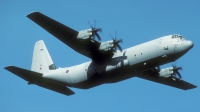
(99, 38)
(179, 68)
(176, 70)
(179, 75)
(90, 24)
(95, 30)
(119, 41)
(173, 66)
(116, 42)
(99, 29)
(119, 47)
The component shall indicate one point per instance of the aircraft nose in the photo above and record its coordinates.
(188, 44)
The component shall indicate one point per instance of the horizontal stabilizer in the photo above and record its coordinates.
(25, 74)
(36, 78)
(181, 84)
(57, 88)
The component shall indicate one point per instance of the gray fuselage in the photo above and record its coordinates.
(123, 65)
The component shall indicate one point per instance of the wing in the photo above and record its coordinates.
(166, 81)
(68, 36)
(36, 78)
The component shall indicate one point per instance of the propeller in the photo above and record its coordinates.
(95, 30)
(116, 42)
(176, 71)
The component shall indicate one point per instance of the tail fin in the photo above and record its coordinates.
(41, 61)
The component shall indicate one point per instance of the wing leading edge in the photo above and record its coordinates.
(68, 36)
(181, 84)
(57, 29)
(36, 78)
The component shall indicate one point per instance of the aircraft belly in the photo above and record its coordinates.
(115, 75)
(110, 67)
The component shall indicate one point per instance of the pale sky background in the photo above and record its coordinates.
(136, 21)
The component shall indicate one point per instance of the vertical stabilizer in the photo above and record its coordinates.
(41, 61)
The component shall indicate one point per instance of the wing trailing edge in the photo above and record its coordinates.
(181, 84)
(36, 78)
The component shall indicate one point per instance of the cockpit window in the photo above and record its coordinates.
(177, 36)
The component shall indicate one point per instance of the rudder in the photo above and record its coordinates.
(41, 61)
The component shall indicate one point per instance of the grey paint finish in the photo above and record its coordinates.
(107, 66)
(144, 59)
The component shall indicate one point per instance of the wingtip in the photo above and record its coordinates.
(71, 93)
(191, 87)
(7, 67)
(195, 86)
(32, 13)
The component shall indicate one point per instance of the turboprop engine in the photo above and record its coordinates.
(170, 72)
(90, 33)
(110, 45)
(106, 46)
(84, 34)
(166, 72)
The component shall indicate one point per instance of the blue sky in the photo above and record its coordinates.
(136, 21)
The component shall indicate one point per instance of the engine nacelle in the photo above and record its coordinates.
(84, 34)
(106, 46)
(166, 72)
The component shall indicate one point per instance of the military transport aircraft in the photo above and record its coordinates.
(109, 62)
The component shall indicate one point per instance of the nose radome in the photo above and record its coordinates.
(190, 44)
